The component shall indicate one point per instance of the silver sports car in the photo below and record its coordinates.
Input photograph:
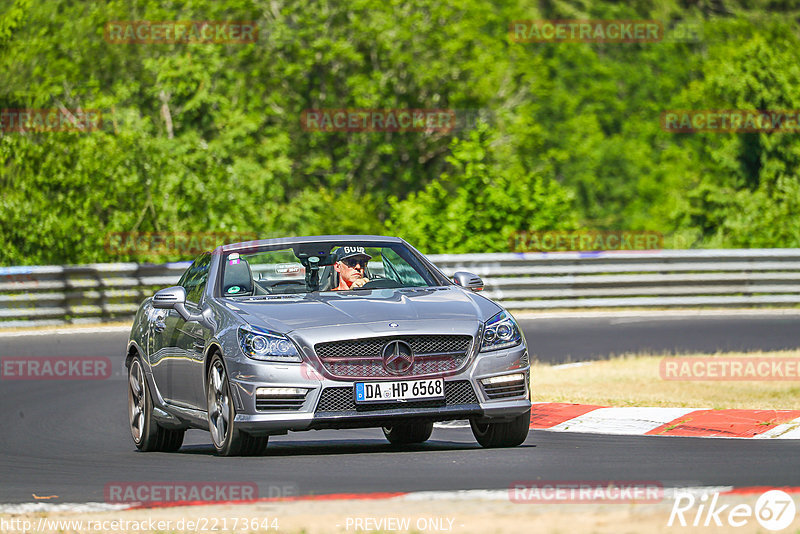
(263, 337)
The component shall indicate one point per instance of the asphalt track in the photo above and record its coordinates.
(70, 438)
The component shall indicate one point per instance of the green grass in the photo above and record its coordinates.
(635, 380)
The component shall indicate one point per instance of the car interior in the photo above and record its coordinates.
(239, 280)
(242, 279)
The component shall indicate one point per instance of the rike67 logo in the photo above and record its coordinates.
(774, 510)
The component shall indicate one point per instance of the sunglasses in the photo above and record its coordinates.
(352, 262)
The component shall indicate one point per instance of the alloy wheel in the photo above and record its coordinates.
(218, 404)
(136, 400)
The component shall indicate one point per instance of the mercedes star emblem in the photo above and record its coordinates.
(397, 357)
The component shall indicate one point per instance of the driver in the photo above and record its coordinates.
(350, 264)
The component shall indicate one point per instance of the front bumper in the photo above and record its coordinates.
(330, 404)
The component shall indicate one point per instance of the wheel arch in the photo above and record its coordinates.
(133, 350)
(212, 349)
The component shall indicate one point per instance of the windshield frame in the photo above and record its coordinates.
(432, 276)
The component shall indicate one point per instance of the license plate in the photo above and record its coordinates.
(371, 392)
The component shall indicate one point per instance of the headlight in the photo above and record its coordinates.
(261, 344)
(501, 332)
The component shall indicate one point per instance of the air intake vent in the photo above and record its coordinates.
(504, 387)
(341, 399)
(268, 399)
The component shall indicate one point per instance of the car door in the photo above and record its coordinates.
(165, 345)
(190, 340)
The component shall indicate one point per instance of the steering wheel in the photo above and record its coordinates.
(381, 283)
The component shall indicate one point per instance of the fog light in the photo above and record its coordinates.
(503, 379)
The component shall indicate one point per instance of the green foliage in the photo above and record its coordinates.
(479, 204)
(748, 190)
(208, 137)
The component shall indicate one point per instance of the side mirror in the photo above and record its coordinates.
(174, 298)
(166, 299)
(468, 280)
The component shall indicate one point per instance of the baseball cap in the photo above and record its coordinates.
(349, 252)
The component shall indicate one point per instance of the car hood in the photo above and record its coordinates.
(286, 313)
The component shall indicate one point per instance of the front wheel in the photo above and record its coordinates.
(407, 433)
(510, 434)
(146, 432)
(227, 439)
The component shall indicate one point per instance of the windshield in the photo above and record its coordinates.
(305, 268)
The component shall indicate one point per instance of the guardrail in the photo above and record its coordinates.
(100, 292)
(669, 278)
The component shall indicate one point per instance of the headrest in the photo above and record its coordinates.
(238, 279)
(328, 278)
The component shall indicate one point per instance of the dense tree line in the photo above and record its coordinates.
(549, 136)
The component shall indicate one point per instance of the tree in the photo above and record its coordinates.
(479, 205)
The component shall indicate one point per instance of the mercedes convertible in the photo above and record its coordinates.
(329, 332)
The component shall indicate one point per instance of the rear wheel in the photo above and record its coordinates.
(407, 433)
(146, 432)
(227, 439)
(510, 434)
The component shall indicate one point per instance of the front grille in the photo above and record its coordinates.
(505, 389)
(284, 402)
(341, 399)
(362, 358)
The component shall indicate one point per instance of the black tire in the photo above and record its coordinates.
(253, 445)
(510, 434)
(408, 433)
(226, 438)
(172, 439)
(147, 434)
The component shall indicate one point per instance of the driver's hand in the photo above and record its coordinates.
(358, 282)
